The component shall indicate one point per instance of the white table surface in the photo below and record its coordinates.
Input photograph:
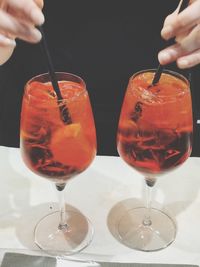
(104, 191)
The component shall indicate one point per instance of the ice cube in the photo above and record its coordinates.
(43, 91)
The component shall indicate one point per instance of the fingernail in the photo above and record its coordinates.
(163, 57)
(167, 32)
(37, 17)
(7, 41)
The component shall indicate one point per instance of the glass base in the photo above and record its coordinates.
(69, 240)
(158, 234)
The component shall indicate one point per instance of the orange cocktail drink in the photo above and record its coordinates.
(51, 148)
(155, 126)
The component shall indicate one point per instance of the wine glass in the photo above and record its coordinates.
(154, 136)
(58, 150)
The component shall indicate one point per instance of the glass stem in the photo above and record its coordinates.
(149, 185)
(63, 220)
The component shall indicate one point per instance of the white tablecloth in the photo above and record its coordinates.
(103, 192)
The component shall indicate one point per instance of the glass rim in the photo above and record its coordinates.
(167, 71)
(57, 72)
(46, 74)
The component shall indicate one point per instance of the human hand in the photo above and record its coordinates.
(18, 19)
(185, 28)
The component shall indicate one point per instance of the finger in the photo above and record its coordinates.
(182, 22)
(5, 41)
(181, 36)
(5, 53)
(27, 9)
(186, 45)
(170, 18)
(14, 28)
(191, 41)
(170, 54)
(189, 60)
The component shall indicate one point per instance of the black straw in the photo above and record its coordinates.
(160, 68)
(65, 115)
(157, 74)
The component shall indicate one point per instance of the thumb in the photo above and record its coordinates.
(5, 53)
